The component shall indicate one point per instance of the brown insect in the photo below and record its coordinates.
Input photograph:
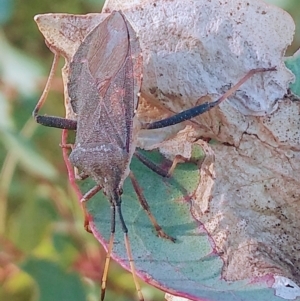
(105, 79)
(104, 85)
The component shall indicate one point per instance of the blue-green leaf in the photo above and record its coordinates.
(293, 63)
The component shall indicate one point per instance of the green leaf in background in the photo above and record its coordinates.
(293, 63)
(31, 160)
(5, 118)
(53, 282)
(6, 7)
(18, 69)
(19, 286)
(28, 215)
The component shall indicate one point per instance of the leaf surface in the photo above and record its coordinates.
(53, 282)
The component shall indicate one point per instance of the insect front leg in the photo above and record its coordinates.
(87, 196)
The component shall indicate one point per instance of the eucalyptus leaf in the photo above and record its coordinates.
(190, 266)
(293, 63)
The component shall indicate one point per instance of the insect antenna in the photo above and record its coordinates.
(51, 121)
(117, 206)
(109, 250)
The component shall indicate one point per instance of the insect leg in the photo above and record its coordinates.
(198, 110)
(151, 165)
(128, 249)
(157, 169)
(51, 121)
(84, 199)
(145, 205)
(178, 159)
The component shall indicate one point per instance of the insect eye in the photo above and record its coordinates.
(120, 191)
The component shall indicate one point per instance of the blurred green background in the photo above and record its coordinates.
(45, 254)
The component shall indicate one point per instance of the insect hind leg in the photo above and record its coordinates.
(146, 207)
(198, 110)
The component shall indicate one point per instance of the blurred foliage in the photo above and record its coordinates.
(45, 254)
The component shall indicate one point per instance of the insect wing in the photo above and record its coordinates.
(105, 78)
